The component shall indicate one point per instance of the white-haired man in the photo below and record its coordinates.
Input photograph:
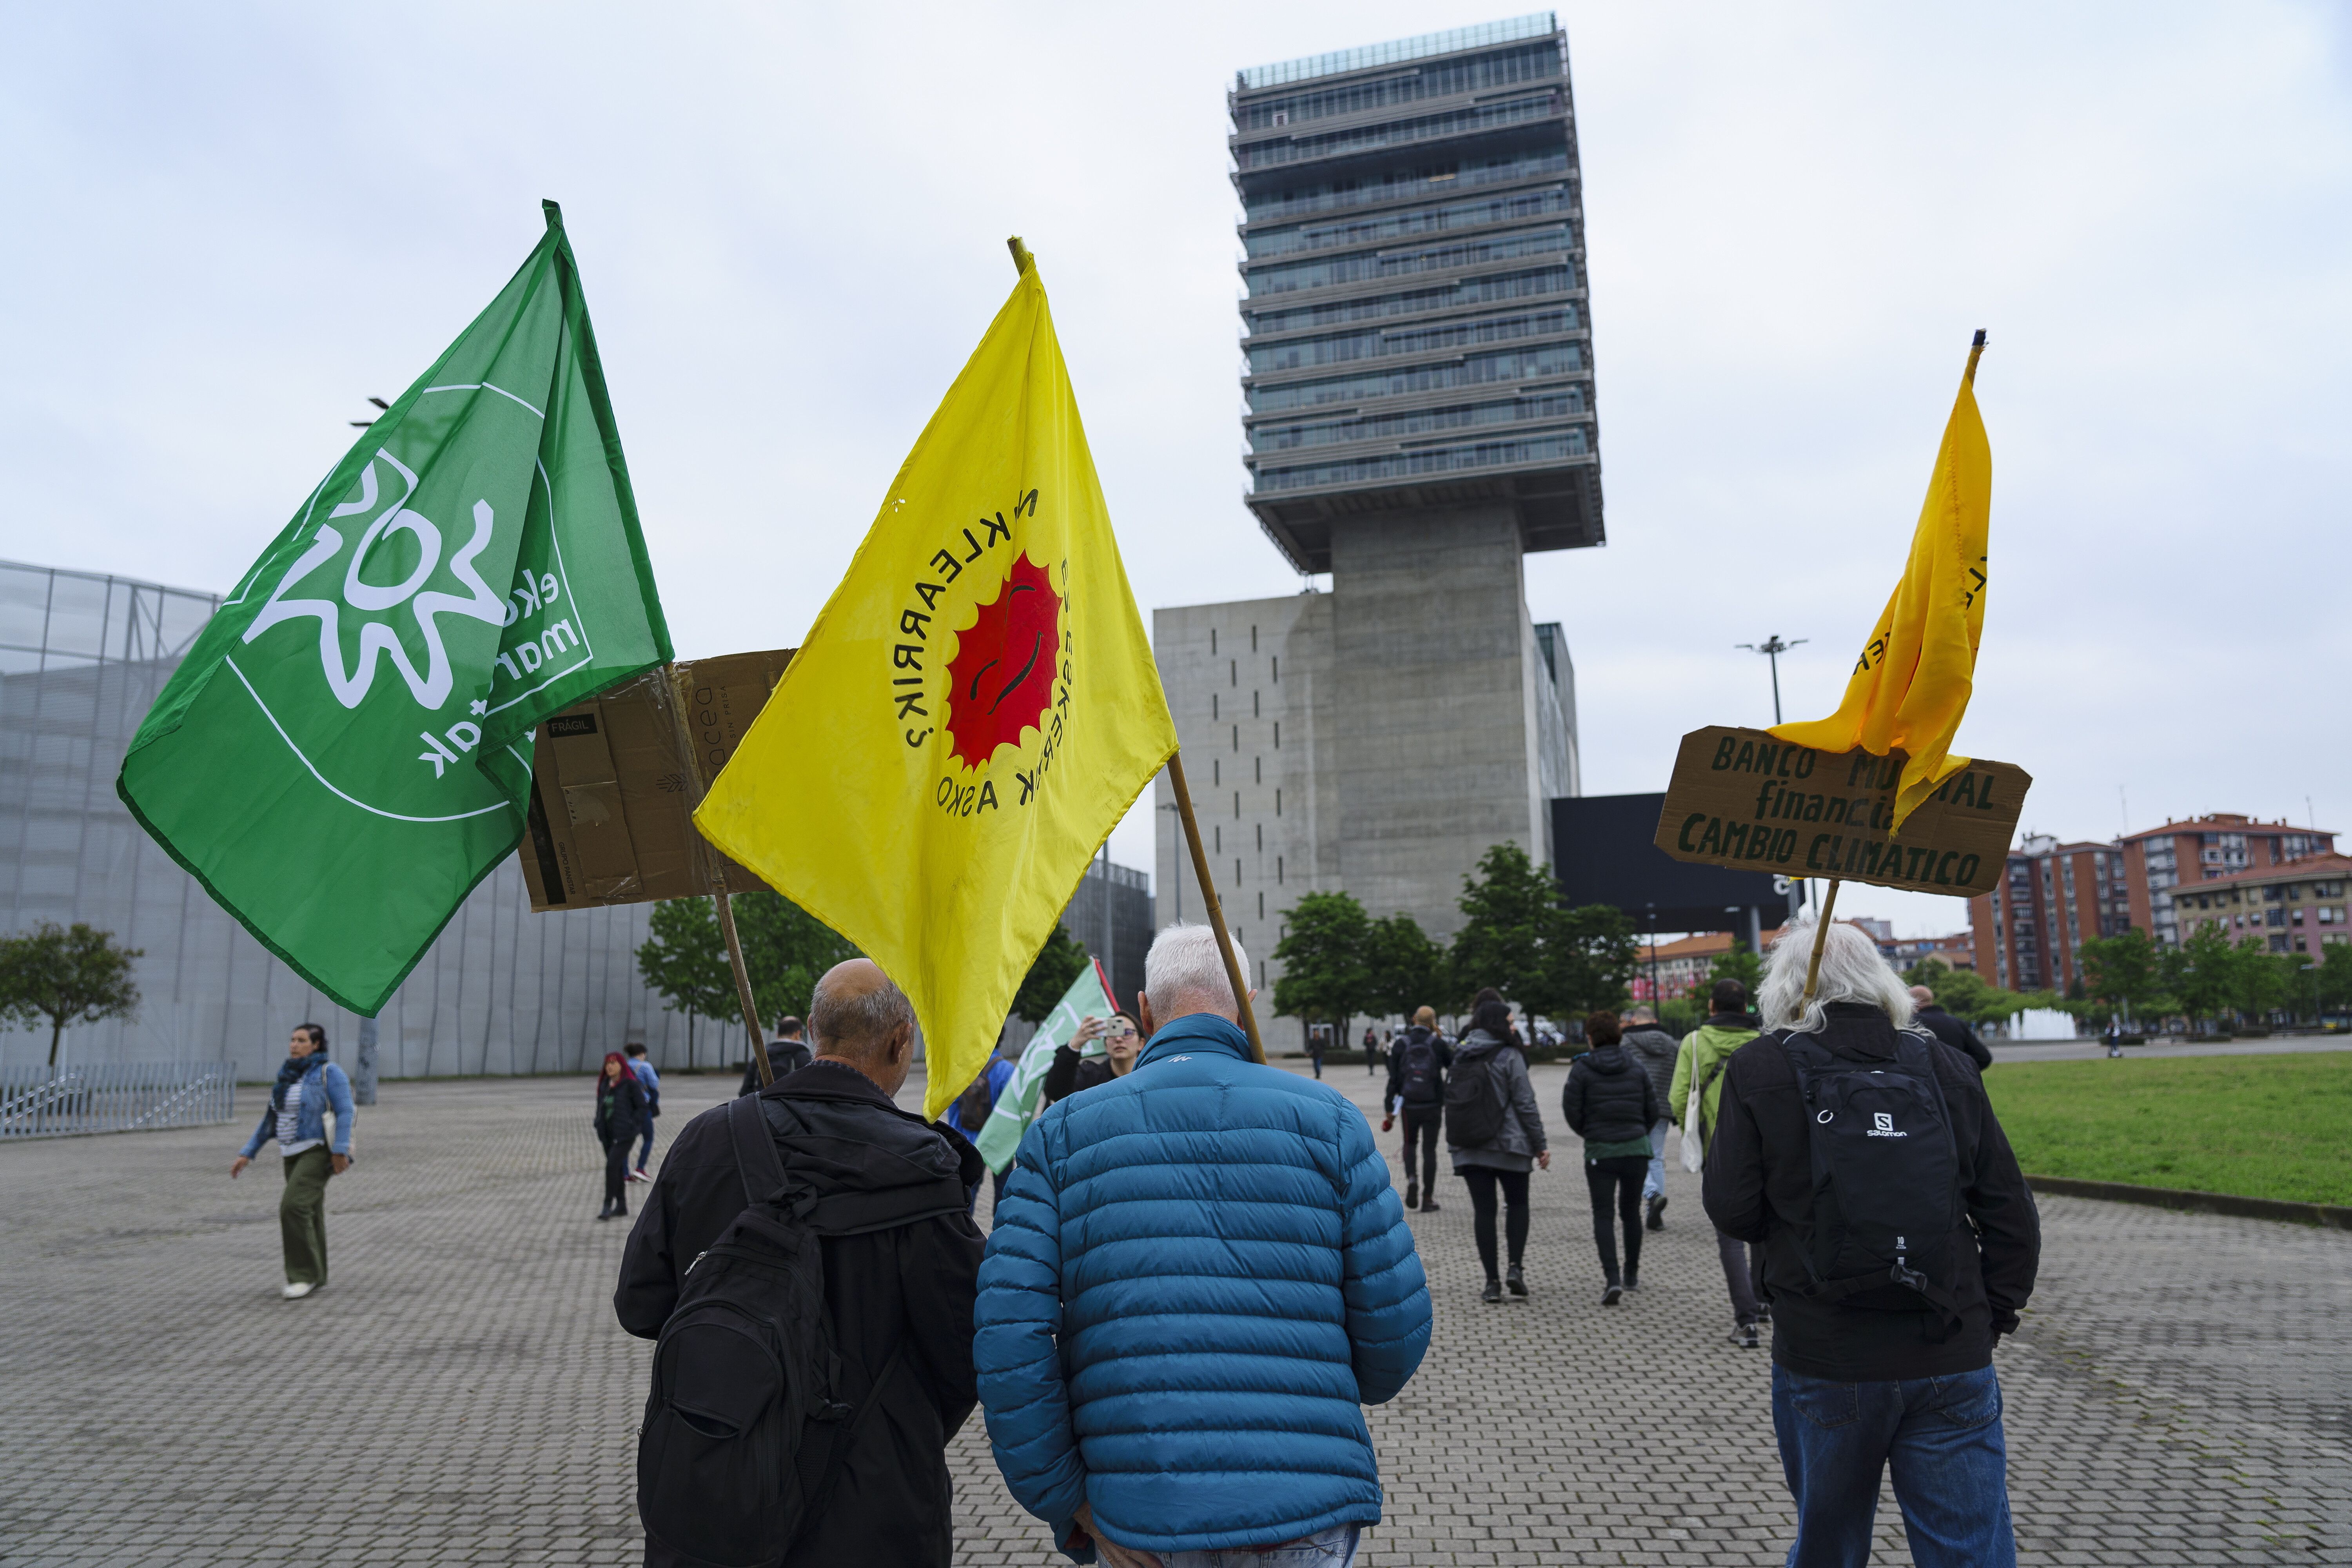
(1198, 1276)
(1900, 1243)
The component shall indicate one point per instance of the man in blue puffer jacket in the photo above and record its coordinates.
(1198, 1276)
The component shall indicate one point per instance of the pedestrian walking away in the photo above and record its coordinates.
(787, 1054)
(1416, 1092)
(1609, 1102)
(1698, 1071)
(1952, 1031)
(1494, 1134)
(1900, 1245)
(642, 1065)
(1178, 1380)
(620, 1117)
(820, 1206)
(1655, 1050)
(311, 1114)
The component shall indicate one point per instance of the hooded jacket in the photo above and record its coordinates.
(1705, 1050)
(1608, 1098)
(1655, 1051)
(1521, 1137)
(1199, 1272)
(1759, 1188)
(901, 1261)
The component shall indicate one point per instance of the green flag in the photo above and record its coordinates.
(346, 750)
(1017, 1107)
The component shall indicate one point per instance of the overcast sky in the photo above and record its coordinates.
(232, 223)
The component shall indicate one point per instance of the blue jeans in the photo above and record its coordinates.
(1333, 1548)
(1657, 1179)
(645, 1150)
(1942, 1438)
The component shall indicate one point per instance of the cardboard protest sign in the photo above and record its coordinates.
(1743, 799)
(614, 781)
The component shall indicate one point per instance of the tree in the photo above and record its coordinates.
(2124, 972)
(1325, 976)
(2258, 979)
(1741, 963)
(2199, 973)
(2335, 977)
(786, 950)
(1515, 937)
(1408, 969)
(685, 959)
(1965, 994)
(1052, 972)
(67, 974)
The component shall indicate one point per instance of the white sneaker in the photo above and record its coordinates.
(296, 1292)
(641, 1176)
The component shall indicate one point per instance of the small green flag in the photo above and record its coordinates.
(1025, 1092)
(346, 750)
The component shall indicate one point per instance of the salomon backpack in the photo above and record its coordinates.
(1474, 1102)
(1888, 1219)
(741, 1427)
(1419, 1072)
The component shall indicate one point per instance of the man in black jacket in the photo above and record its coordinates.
(1889, 1376)
(1417, 1062)
(787, 1054)
(901, 1265)
(1952, 1031)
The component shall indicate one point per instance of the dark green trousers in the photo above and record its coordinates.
(302, 1216)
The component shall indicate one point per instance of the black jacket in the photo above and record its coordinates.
(1955, 1034)
(1396, 1067)
(1609, 1097)
(785, 1057)
(1758, 1187)
(1072, 1072)
(627, 1116)
(901, 1272)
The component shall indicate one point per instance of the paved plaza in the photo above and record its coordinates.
(458, 1394)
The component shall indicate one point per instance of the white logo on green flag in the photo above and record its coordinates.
(346, 751)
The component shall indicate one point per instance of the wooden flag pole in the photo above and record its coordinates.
(1821, 936)
(1233, 974)
(715, 866)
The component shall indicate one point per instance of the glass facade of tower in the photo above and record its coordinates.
(1415, 329)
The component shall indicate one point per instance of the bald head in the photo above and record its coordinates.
(1921, 996)
(858, 1018)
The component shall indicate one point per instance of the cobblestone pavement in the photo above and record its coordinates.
(458, 1394)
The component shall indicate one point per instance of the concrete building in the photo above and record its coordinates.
(1416, 204)
(2219, 844)
(2052, 898)
(1957, 950)
(2297, 907)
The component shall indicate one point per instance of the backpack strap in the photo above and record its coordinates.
(760, 1168)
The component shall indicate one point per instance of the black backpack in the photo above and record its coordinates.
(1419, 1070)
(1888, 1219)
(741, 1427)
(1474, 1101)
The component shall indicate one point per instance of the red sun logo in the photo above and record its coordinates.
(1001, 680)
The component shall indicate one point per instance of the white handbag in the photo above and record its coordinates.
(1694, 1157)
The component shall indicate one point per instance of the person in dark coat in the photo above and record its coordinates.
(1953, 1032)
(901, 1265)
(1611, 1103)
(1655, 1050)
(620, 1117)
(1417, 1062)
(787, 1054)
(1499, 1164)
(1905, 1384)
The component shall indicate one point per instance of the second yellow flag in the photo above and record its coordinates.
(975, 710)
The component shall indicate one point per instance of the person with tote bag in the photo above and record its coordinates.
(1698, 1089)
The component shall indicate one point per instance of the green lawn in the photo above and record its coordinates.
(2266, 1127)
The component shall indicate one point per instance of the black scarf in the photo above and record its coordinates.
(290, 1072)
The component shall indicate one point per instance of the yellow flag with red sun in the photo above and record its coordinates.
(973, 712)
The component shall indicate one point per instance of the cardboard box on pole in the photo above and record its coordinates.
(615, 781)
(1744, 799)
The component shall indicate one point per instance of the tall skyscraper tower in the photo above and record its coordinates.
(1418, 410)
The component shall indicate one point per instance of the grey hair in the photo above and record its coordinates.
(856, 1025)
(1852, 970)
(1185, 972)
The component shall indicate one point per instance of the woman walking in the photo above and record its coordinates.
(1494, 1132)
(620, 1116)
(1611, 1103)
(310, 1111)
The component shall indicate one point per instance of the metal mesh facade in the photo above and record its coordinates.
(82, 657)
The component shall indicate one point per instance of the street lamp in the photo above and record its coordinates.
(1772, 647)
